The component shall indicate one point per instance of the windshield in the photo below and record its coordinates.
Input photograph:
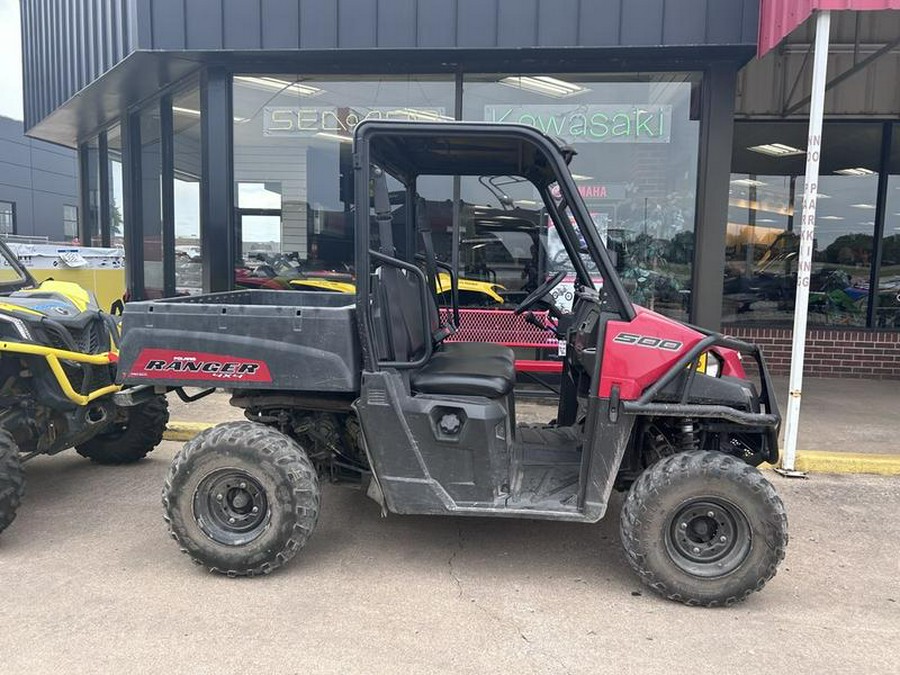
(12, 275)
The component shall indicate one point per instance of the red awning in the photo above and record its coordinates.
(777, 18)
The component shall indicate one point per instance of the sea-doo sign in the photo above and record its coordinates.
(169, 364)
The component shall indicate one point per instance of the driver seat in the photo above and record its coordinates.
(455, 369)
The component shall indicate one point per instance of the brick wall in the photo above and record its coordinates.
(829, 353)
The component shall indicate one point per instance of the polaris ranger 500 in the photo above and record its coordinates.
(364, 390)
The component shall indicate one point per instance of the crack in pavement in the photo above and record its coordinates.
(501, 619)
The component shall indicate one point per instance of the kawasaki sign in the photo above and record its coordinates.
(602, 123)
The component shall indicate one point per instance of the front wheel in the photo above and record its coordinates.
(132, 439)
(12, 479)
(704, 528)
(241, 498)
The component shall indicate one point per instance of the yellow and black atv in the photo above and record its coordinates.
(58, 355)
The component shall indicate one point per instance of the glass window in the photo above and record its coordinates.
(293, 168)
(91, 164)
(116, 204)
(765, 206)
(7, 217)
(151, 201)
(186, 118)
(887, 309)
(70, 222)
(637, 138)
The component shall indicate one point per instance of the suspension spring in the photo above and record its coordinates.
(687, 436)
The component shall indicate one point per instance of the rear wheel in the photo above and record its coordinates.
(12, 479)
(133, 439)
(241, 498)
(704, 528)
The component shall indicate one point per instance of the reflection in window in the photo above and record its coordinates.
(7, 217)
(765, 207)
(186, 118)
(293, 170)
(116, 193)
(91, 178)
(70, 222)
(887, 307)
(636, 167)
(151, 201)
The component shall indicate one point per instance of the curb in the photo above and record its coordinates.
(811, 461)
(184, 431)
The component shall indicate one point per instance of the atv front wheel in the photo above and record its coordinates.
(131, 440)
(241, 498)
(704, 528)
(12, 479)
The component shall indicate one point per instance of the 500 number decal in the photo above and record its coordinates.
(648, 341)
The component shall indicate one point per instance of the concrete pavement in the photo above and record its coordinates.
(92, 583)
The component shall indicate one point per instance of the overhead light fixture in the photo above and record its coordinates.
(526, 202)
(335, 137)
(863, 206)
(548, 86)
(420, 115)
(766, 220)
(821, 195)
(856, 171)
(776, 150)
(749, 182)
(831, 218)
(285, 86)
(578, 176)
(190, 112)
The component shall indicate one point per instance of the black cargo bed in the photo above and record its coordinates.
(253, 339)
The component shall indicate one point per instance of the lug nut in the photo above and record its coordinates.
(255, 509)
(231, 520)
(723, 539)
(684, 526)
(244, 487)
(711, 514)
(219, 497)
(696, 550)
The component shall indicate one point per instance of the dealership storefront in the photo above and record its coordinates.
(217, 147)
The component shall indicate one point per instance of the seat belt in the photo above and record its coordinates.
(446, 330)
(383, 213)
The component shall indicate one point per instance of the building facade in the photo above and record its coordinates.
(38, 187)
(213, 140)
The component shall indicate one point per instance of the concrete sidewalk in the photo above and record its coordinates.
(846, 426)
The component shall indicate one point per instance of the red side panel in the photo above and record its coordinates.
(529, 366)
(637, 353)
(174, 364)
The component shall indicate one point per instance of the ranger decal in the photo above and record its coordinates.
(170, 364)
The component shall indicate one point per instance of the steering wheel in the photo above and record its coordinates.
(540, 292)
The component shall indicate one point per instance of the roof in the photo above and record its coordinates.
(778, 18)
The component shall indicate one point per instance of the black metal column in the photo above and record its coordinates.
(167, 153)
(217, 182)
(713, 176)
(880, 212)
(85, 215)
(104, 206)
(133, 216)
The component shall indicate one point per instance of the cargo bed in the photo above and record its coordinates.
(288, 340)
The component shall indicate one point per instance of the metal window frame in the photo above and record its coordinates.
(12, 214)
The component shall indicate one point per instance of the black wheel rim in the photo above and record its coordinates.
(231, 507)
(708, 537)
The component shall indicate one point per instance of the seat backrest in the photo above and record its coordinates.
(399, 303)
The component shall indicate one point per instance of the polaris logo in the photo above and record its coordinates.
(648, 341)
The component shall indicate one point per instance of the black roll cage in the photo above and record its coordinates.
(366, 131)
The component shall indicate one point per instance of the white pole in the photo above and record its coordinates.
(807, 233)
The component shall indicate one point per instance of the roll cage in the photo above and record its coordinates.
(406, 150)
